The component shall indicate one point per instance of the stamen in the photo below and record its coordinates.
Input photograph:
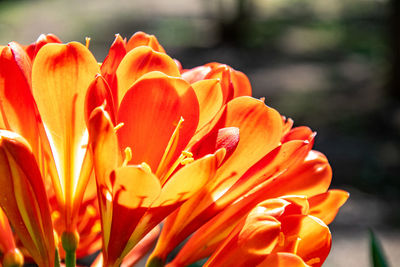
(146, 167)
(187, 161)
(313, 261)
(170, 149)
(187, 154)
(87, 42)
(119, 126)
(128, 156)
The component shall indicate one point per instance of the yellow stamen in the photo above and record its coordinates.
(296, 245)
(187, 154)
(170, 149)
(87, 39)
(187, 161)
(128, 156)
(146, 167)
(116, 128)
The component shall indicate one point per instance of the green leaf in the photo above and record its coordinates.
(378, 257)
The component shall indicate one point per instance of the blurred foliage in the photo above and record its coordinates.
(377, 256)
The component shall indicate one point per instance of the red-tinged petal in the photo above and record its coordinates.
(17, 106)
(287, 125)
(234, 83)
(209, 236)
(176, 191)
(260, 129)
(61, 75)
(23, 198)
(299, 133)
(43, 39)
(258, 124)
(282, 259)
(247, 245)
(111, 62)
(311, 177)
(99, 93)
(209, 94)
(6, 235)
(306, 236)
(144, 39)
(227, 138)
(274, 163)
(241, 84)
(106, 158)
(151, 111)
(196, 74)
(134, 189)
(325, 206)
(140, 61)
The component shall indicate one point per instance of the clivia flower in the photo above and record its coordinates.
(96, 155)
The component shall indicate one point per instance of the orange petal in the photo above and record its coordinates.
(258, 124)
(209, 94)
(134, 189)
(307, 237)
(99, 93)
(209, 236)
(23, 198)
(143, 39)
(140, 61)
(196, 74)
(6, 235)
(299, 133)
(61, 75)
(110, 64)
(151, 111)
(253, 238)
(17, 106)
(311, 177)
(325, 206)
(106, 158)
(283, 259)
(43, 39)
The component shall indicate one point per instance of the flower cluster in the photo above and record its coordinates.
(95, 156)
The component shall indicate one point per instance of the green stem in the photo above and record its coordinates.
(57, 259)
(70, 258)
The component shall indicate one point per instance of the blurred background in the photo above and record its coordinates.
(333, 65)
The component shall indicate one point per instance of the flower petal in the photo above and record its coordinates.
(140, 61)
(325, 206)
(151, 111)
(61, 75)
(110, 65)
(23, 198)
(144, 39)
(209, 94)
(283, 259)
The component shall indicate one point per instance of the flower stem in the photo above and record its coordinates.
(69, 241)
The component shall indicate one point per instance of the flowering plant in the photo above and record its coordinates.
(94, 156)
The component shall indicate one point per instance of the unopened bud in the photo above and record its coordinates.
(69, 241)
(13, 258)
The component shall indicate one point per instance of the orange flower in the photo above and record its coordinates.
(101, 153)
(60, 75)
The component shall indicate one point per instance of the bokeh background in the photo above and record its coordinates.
(333, 65)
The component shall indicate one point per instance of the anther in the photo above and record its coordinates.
(116, 128)
(145, 167)
(187, 161)
(128, 156)
(87, 39)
